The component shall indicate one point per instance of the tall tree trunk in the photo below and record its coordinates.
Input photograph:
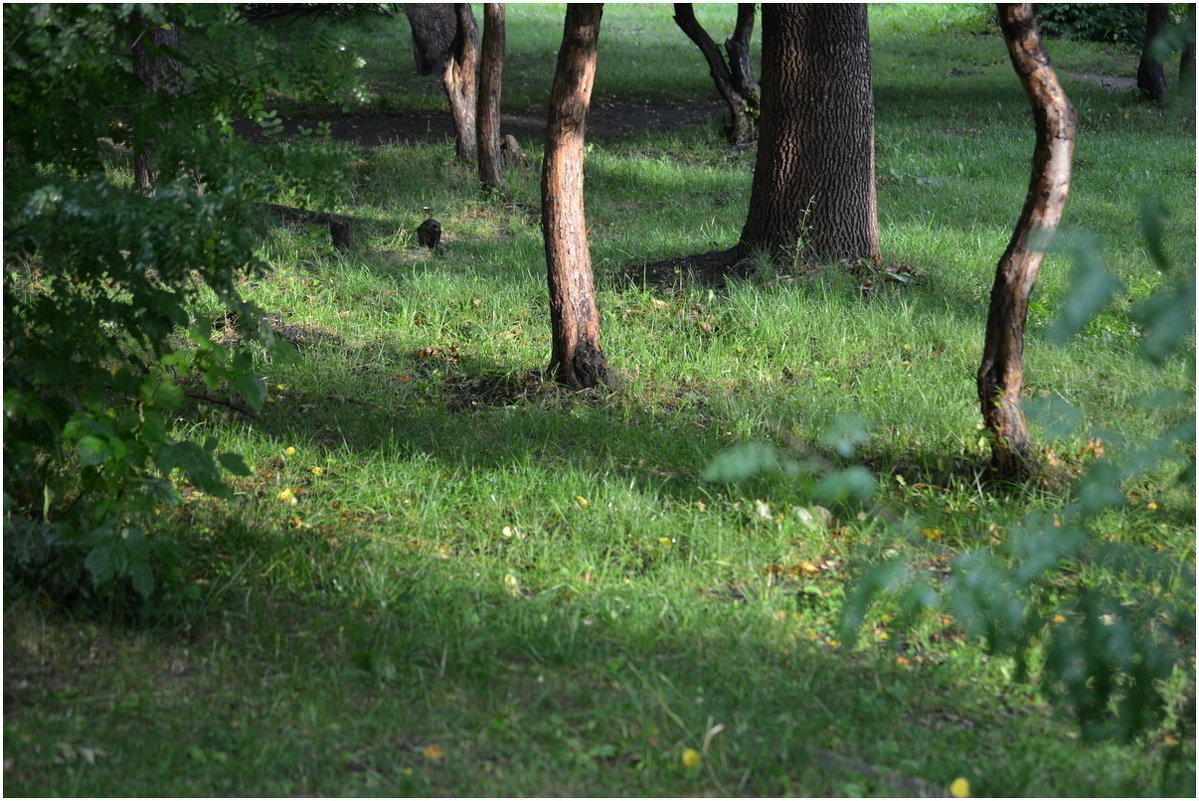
(1001, 375)
(460, 81)
(159, 73)
(490, 82)
(1151, 75)
(813, 184)
(577, 359)
(738, 50)
(741, 129)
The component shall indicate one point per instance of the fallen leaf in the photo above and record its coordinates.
(433, 751)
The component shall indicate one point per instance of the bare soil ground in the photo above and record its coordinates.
(606, 120)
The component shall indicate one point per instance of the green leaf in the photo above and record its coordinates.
(1092, 288)
(234, 463)
(93, 451)
(844, 486)
(744, 461)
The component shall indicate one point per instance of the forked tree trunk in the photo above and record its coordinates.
(1151, 75)
(738, 50)
(460, 82)
(813, 185)
(1001, 375)
(741, 129)
(159, 73)
(577, 359)
(490, 82)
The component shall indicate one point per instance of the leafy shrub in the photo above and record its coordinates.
(101, 281)
(1105, 650)
(1116, 23)
(1102, 652)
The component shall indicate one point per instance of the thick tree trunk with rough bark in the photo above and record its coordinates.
(741, 129)
(813, 188)
(577, 359)
(1151, 75)
(159, 73)
(490, 82)
(813, 195)
(1001, 375)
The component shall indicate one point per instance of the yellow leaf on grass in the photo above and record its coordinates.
(433, 751)
(287, 496)
(691, 757)
(960, 788)
(581, 501)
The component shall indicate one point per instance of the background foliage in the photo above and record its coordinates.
(100, 280)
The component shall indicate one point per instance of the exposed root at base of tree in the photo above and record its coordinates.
(709, 269)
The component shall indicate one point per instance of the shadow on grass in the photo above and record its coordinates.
(567, 690)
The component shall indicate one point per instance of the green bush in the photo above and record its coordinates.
(101, 281)
(1117, 23)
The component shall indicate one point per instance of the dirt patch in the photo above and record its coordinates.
(1112, 83)
(606, 120)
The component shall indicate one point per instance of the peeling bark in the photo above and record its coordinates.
(490, 89)
(1001, 375)
(577, 360)
(460, 82)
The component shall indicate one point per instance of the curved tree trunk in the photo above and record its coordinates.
(813, 187)
(577, 359)
(1151, 75)
(490, 82)
(741, 128)
(1001, 375)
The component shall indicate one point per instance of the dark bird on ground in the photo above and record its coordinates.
(429, 233)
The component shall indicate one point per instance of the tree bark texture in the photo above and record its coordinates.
(813, 186)
(577, 359)
(741, 129)
(460, 82)
(738, 51)
(445, 41)
(159, 73)
(1001, 375)
(1151, 75)
(490, 88)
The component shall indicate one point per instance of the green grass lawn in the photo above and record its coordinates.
(447, 577)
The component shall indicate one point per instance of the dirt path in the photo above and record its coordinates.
(605, 121)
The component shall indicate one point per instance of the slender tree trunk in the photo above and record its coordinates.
(460, 82)
(1151, 75)
(738, 51)
(577, 359)
(741, 128)
(159, 73)
(813, 182)
(1001, 375)
(490, 82)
